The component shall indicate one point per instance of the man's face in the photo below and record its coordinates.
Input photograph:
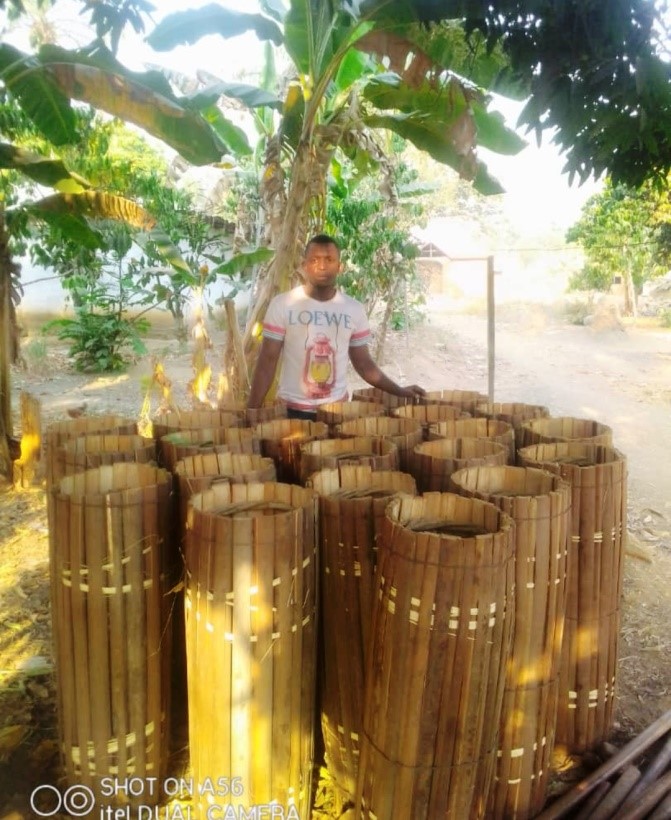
(321, 265)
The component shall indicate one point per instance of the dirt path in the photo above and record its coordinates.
(620, 378)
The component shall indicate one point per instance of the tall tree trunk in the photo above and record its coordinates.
(629, 292)
(6, 336)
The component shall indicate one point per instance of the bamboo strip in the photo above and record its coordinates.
(512, 412)
(500, 431)
(183, 443)
(436, 667)
(374, 394)
(566, 428)
(281, 440)
(467, 400)
(430, 414)
(335, 413)
(194, 420)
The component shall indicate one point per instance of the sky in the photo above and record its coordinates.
(537, 193)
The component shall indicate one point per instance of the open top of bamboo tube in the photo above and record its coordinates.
(566, 428)
(338, 411)
(576, 453)
(430, 413)
(497, 480)
(512, 412)
(194, 420)
(113, 478)
(279, 429)
(359, 481)
(251, 500)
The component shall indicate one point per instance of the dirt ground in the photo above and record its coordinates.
(621, 377)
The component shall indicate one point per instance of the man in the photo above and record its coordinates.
(313, 329)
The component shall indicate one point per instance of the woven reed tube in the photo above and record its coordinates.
(88, 452)
(110, 615)
(194, 420)
(182, 443)
(335, 413)
(197, 473)
(440, 641)
(374, 394)
(61, 431)
(514, 413)
(499, 431)
(376, 452)
(405, 433)
(351, 511)
(281, 440)
(433, 462)
(428, 414)
(251, 641)
(540, 505)
(538, 431)
(465, 399)
(598, 479)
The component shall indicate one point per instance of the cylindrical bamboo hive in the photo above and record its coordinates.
(194, 420)
(281, 440)
(182, 443)
(96, 450)
(352, 501)
(441, 630)
(112, 528)
(376, 452)
(388, 400)
(540, 505)
(61, 431)
(513, 412)
(428, 414)
(335, 413)
(251, 641)
(565, 428)
(598, 479)
(499, 431)
(269, 412)
(197, 473)
(433, 462)
(405, 433)
(465, 399)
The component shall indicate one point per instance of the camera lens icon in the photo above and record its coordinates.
(77, 801)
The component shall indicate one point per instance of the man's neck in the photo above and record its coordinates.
(320, 294)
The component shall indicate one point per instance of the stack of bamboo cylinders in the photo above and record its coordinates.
(404, 433)
(183, 443)
(499, 431)
(428, 414)
(335, 413)
(513, 412)
(61, 431)
(374, 394)
(197, 473)
(467, 400)
(377, 452)
(281, 440)
(565, 428)
(111, 531)
(442, 625)
(352, 501)
(88, 452)
(433, 462)
(540, 505)
(251, 641)
(598, 479)
(194, 420)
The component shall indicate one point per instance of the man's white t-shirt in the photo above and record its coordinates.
(317, 337)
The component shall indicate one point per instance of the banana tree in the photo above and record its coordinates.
(357, 68)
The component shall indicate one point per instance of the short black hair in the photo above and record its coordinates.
(322, 239)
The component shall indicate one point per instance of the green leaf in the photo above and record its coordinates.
(45, 171)
(190, 26)
(158, 243)
(430, 135)
(146, 99)
(352, 67)
(241, 261)
(96, 205)
(39, 94)
(249, 95)
(493, 133)
(231, 135)
(74, 227)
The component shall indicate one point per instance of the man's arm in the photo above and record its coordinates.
(264, 373)
(364, 365)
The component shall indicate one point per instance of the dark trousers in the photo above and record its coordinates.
(308, 415)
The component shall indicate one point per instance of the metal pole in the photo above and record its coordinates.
(490, 328)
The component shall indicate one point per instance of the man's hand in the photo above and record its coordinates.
(413, 391)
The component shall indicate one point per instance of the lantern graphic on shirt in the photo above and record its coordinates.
(319, 372)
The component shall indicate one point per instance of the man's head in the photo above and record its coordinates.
(321, 262)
